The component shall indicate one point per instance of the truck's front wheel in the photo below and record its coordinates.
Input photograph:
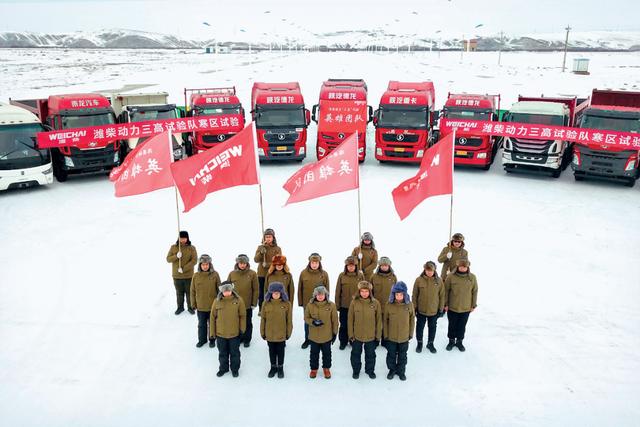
(60, 174)
(630, 182)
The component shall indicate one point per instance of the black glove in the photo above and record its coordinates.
(333, 339)
(317, 322)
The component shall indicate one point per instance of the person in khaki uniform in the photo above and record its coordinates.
(428, 302)
(365, 329)
(204, 287)
(227, 324)
(399, 323)
(264, 254)
(346, 289)
(246, 284)
(276, 325)
(183, 258)
(279, 272)
(382, 281)
(367, 254)
(311, 277)
(322, 317)
(451, 253)
(461, 297)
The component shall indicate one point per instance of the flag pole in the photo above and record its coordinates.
(255, 149)
(359, 208)
(176, 193)
(453, 146)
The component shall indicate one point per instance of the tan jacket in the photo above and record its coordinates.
(364, 319)
(188, 261)
(399, 322)
(204, 288)
(228, 317)
(325, 311)
(276, 322)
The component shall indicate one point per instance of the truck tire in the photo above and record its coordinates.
(630, 182)
(578, 177)
(556, 173)
(60, 174)
(487, 166)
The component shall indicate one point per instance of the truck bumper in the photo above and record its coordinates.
(472, 158)
(87, 161)
(533, 161)
(399, 154)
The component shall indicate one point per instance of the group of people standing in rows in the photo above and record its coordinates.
(371, 306)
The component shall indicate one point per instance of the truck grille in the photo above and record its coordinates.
(215, 139)
(537, 147)
(468, 142)
(281, 138)
(390, 137)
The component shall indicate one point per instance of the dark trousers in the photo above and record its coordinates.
(203, 324)
(249, 331)
(260, 291)
(229, 353)
(314, 355)
(306, 331)
(369, 356)
(397, 356)
(276, 353)
(183, 288)
(457, 324)
(343, 332)
(431, 322)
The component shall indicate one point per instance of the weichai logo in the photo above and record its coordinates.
(222, 160)
(58, 136)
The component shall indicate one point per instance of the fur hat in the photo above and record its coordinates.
(457, 236)
(384, 260)
(399, 287)
(430, 265)
(269, 232)
(320, 289)
(279, 260)
(366, 236)
(276, 287)
(351, 260)
(204, 258)
(227, 285)
(463, 262)
(364, 285)
(315, 257)
(184, 234)
(242, 258)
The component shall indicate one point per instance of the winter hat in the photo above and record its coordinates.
(204, 258)
(279, 260)
(320, 289)
(397, 288)
(269, 232)
(384, 261)
(463, 262)
(227, 285)
(430, 265)
(242, 258)
(364, 285)
(366, 236)
(457, 236)
(276, 287)
(315, 257)
(350, 260)
(184, 234)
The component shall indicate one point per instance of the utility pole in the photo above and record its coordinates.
(500, 48)
(566, 44)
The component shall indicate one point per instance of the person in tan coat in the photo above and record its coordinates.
(279, 272)
(428, 301)
(461, 299)
(227, 324)
(365, 329)
(367, 254)
(265, 252)
(276, 325)
(322, 317)
(451, 253)
(310, 278)
(246, 284)
(346, 289)
(399, 324)
(204, 288)
(183, 258)
(382, 281)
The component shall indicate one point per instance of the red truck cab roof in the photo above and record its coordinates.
(471, 102)
(80, 102)
(343, 90)
(420, 94)
(218, 97)
(276, 94)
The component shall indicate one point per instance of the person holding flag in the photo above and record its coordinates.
(265, 252)
(451, 253)
(183, 257)
(367, 255)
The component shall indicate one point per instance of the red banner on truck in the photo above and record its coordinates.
(340, 116)
(97, 136)
(607, 138)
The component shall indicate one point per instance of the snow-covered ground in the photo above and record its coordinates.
(86, 303)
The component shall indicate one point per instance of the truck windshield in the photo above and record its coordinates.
(466, 114)
(280, 117)
(404, 119)
(611, 123)
(70, 122)
(18, 149)
(143, 116)
(215, 111)
(538, 119)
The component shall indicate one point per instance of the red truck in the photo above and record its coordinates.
(281, 120)
(341, 111)
(207, 102)
(404, 121)
(609, 110)
(76, 111)
(472, 150)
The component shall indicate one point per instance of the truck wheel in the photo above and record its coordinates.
(630, 183)
(556, 173)
(487, 166)
(60, 174)
(578, 177)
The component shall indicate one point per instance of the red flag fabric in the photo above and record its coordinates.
(335, 173)
(228, 164)
(146, 168)
(434, 178)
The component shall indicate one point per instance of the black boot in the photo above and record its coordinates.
(372, 375)
(273, 371)
(200, 344)
(221, 372)
(355, 375)
(305, 344)
(390, 375)
(212, 343)
(280, 371)
(343, 345)
(402, 377)
(431, 348)
(178, 311)
(451, 344)
(419, 347)
(460, 346)
(235, 374)
(192, 311)
(247, 344)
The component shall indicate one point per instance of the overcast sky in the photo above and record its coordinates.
(185, 17)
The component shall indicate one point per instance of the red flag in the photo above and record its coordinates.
(228, 164)
(434, 178)
(335, 173)
(146, 168)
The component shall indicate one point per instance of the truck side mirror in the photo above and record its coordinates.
(307, 116)
(181, 113)
(370, 110)
(253, 115)
(244, 115)
(314, 112)
(375, 117)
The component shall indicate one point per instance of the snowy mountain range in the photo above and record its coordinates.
(342, 40)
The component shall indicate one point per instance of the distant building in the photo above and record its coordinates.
(217, 49)
(470, 45)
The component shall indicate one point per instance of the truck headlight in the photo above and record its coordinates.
(301, 151)
(116, 157)
(360, 150)
(576, 159)
(482, 155)
(260, 152)
(177, 153)
(68, 161)
(321, 151)
(379, 151)
(631, 165)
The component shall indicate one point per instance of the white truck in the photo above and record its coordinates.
(140, 107)
(21, 163)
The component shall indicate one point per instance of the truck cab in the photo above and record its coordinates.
(77, 111)
(341, 111)
(609, 110)
(22, 164)
(281, 121)
(209, 103)
(472, 150)
(404, 121)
